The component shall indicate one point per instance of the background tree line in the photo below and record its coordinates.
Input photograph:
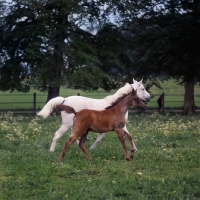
(90, 44)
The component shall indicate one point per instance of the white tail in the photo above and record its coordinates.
(47, 109)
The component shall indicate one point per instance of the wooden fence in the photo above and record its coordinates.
(33, 103)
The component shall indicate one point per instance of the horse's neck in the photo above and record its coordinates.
(124, 90)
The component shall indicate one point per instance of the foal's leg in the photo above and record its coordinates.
(120, 133)
(126, 130)
(133, 147)
(68, 143)
(82, 146)
(132, 143)
(72, 131)
(58, 134)
(99, 138)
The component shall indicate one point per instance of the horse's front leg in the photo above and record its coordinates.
(120, 133)
(132, 142)
(127, 134)
(68, 143)
(99, 138)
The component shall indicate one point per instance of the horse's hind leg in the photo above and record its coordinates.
(83, 147)
(133, 148)
(120, 133)
(68, 143)
(58, 134)
(99, 138)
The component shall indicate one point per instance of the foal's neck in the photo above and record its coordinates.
(124, 105)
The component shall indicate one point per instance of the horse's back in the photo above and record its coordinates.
(80, 102)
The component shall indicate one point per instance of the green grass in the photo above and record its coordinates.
(166, 165)
(174, 96)
(13, 100)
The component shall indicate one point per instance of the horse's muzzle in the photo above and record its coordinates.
(147, 99)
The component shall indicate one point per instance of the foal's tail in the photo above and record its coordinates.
(47, 109)
(65, 108)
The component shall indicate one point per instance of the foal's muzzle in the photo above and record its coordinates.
(144, 108)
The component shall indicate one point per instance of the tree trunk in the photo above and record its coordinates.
(57, 66)
(54, 88)
(189, 106)
(53, 92)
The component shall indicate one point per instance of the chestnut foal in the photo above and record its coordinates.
(110, 119)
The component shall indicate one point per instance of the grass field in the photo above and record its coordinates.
(18, 100)
(174, 96)
(166, 165)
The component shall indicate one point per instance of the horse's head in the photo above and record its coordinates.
(141, 91)
(137, 102)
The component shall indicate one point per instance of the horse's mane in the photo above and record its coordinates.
(114, 103)
(122, 91)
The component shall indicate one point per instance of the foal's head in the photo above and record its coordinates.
(137, 102)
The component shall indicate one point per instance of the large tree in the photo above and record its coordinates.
(45, 42)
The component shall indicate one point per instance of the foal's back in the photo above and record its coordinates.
(97, 121)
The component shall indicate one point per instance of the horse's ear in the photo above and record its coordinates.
(134, 81)
(141, 81)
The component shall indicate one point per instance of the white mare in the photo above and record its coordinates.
(79, 103)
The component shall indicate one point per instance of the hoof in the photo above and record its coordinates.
(128, 159)
(60, 159)
(132, 154)
(89, 158)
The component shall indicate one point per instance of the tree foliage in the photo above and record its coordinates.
(42, 41)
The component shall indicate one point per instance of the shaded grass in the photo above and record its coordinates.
(166, 165)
